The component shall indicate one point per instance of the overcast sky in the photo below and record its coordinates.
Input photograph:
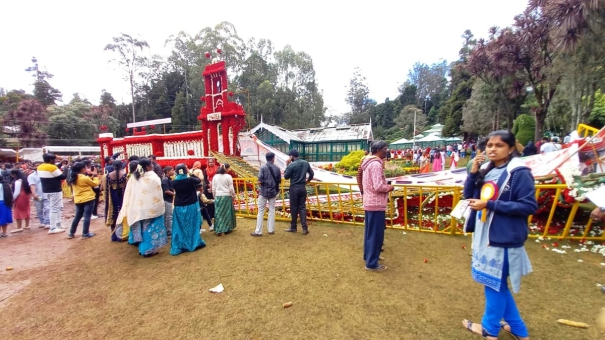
(383, 38)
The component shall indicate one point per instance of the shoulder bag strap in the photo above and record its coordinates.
(274, 176)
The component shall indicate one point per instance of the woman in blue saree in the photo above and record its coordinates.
(186, 218)
(143, 208)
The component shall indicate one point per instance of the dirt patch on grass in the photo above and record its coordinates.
(105, 290)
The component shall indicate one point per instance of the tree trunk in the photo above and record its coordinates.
(132, 94)
(540, 116)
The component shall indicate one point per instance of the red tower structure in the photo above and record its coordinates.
(221, 119)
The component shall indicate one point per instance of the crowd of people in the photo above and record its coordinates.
(150, 207)
(145, 205)
(435, 158)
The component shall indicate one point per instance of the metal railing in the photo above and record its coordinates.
(423, 208)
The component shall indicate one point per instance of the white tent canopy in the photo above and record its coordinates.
(401, 141)
(31, 154)
(430, 138)
(7, 153)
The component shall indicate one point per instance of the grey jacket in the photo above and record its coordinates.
(268, 187)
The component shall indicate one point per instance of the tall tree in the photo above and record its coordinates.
(358, 96)
(128, 49)
(385, 113)
(571, 20)
(71, 124)
(480, 114)
(462, 87)
(411, 121)
(430, 81)
(107, 99)
(297, 90)
(490, 63)
(43, 91)
(29, 118)
(577, 28)
(407, 94)
(531, 47)
(180, 121)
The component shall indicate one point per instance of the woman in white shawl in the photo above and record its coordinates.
(143, 208)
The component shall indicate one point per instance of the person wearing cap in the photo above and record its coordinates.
(296, 171)
(50, 178)
(40, 201)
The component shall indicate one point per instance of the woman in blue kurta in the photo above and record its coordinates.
(143, 208)
(502, 197)
(186, 218)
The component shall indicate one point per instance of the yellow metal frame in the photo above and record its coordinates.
(335, 203)
(586, 131)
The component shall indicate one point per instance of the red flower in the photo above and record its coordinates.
(152, 127)
(103, 127)
(207, 54)
(143, 128)
(190, 152)
(230, 94)
(127, 129)
(219, 51)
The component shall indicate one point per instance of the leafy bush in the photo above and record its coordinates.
(524, 128)
(350, 161)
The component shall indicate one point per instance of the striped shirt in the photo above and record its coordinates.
(50, 177)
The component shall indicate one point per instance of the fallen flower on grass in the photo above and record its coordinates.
(218, 289)
(572, 323)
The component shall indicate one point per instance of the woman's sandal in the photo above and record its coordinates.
(469, 327)
(509, 334)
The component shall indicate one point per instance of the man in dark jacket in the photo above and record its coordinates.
(156, 167)
(296, 172)
(269, 179)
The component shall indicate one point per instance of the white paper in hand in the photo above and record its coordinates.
(461, 209)
(218, 289)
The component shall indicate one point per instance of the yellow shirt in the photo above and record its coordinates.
(83, 189)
